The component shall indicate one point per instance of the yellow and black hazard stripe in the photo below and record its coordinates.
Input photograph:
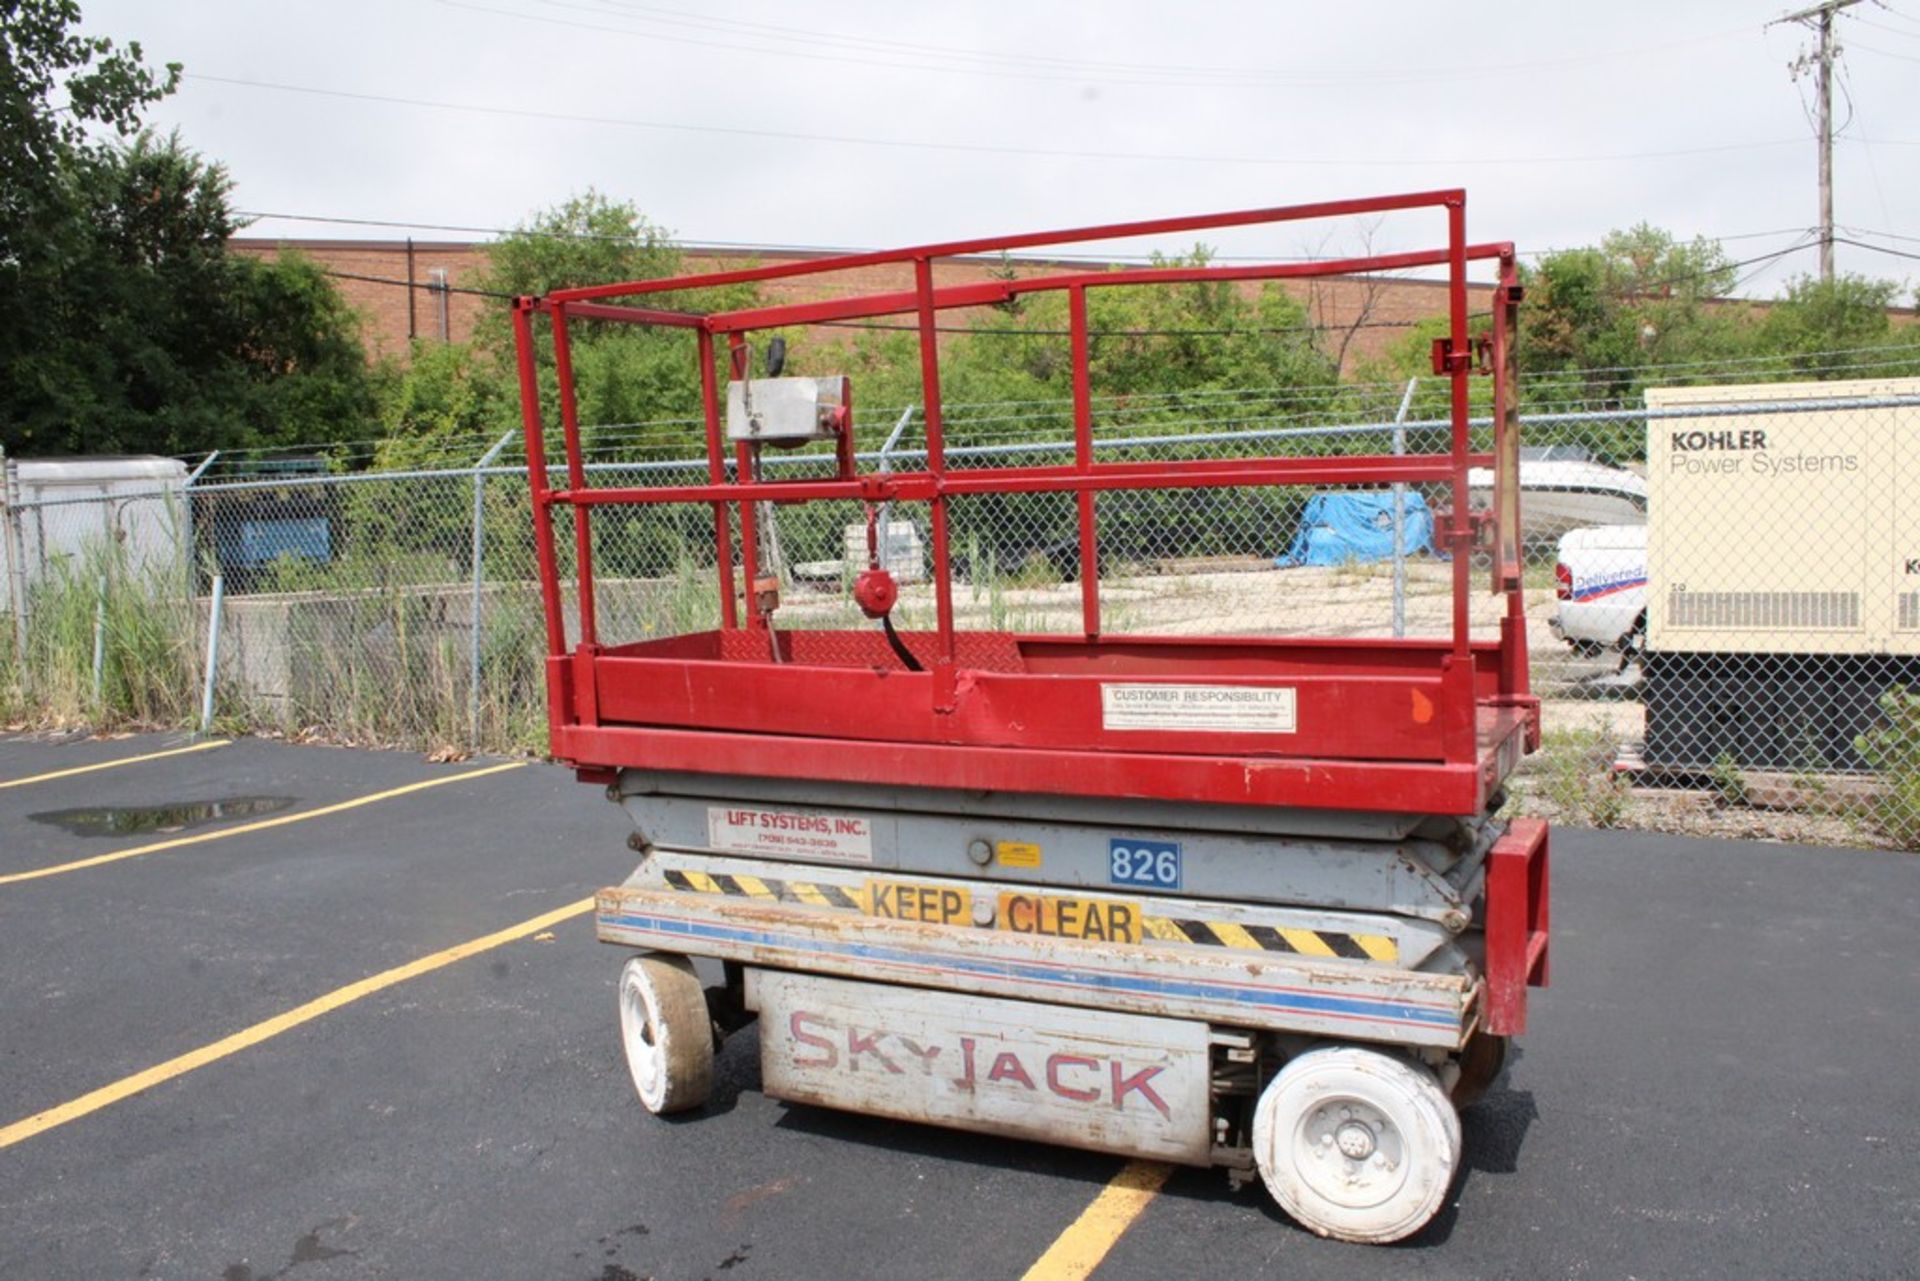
(1267, 938)
(1161, 929)
(765, 887)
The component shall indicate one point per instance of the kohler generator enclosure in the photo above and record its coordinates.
(1228, 898)
(1783, 570)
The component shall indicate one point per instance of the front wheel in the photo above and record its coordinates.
(667, 1032)
(1356, 1144)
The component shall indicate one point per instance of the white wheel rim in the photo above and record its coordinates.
(1357, 1144)
(641, 1032)
(1350, 1152)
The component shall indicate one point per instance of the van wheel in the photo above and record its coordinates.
(1633, 646)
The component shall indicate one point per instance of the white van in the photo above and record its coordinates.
(1600, 579)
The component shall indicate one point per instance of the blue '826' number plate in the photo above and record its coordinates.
(1153, 864)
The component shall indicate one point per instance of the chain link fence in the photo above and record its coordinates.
(1723, 585)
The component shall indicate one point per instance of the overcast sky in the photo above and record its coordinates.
(832, 123)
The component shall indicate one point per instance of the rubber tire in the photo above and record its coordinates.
(1401, 1106)
(1481, 1063)
(666, 1031)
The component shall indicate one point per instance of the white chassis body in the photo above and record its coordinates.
(1243, 1041)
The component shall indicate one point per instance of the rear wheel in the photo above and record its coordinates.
(1480, 1064)
(667, 1033)
(1356, 1144)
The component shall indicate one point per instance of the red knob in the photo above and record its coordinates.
(875, 592)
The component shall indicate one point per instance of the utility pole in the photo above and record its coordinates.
(1820, 18)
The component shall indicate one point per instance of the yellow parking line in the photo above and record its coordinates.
(125, 760)
(260, 826)
(1076, 1252)
(126, 1087)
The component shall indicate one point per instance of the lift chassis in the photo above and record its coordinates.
(1234, 900)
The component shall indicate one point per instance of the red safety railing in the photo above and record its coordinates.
(1438, 723)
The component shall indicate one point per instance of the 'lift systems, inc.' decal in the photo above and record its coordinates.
(1112, 1082)
(844, 838)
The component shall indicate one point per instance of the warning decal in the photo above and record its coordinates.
(1235, 709)
(844, 838)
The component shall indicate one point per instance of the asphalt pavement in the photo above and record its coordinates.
(314, 1013)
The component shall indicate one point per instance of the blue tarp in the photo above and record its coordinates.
(1336, 528)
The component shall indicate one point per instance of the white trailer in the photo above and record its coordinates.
(1783, 569)
(65, 510)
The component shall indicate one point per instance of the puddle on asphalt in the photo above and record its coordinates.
(182, 816)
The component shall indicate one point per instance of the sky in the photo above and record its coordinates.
(874, 125)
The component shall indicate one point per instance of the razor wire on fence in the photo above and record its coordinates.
(1722, 586)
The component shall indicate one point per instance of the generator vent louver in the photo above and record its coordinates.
(1909, 611)
(1816, 611)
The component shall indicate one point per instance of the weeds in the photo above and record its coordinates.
(1894, 749)
(146, 634)
(1575, 769)
(1729, 783)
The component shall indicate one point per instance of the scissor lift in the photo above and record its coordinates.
(1227, 900)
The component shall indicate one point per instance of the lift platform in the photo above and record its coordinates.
(1244, 900)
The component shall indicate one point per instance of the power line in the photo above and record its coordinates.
(1884, 53)
(1879, 235)
(751, 247)
(428, 285)
(432, 226)
(1048, 153)
(1879, 249)
(1881, 26)
(748, 246)
(432, 286)
(816, 45)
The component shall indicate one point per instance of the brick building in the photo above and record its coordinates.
(1362, 317)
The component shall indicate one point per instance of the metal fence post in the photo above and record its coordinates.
(479, 568)
(1400, 516)
(99, 643)
(16, 558)
(213, 653)
(190, 546)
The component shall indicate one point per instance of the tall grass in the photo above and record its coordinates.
(147, 630)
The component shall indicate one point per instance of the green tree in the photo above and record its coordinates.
(102, 84)
(589, 239)
(1815, 326)
(124, 323)
(637, 388)
(1595, 317)
(137, 331)
(1598, 323)
(1147, 345)
(1171, 359)
(450, 404)
(623, 374)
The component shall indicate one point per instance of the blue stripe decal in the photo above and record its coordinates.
(1134, 984)
(1593, 591)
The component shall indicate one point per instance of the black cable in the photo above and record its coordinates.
(900, 649)
(696, 245)
(1879, 249)
(430, 286)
